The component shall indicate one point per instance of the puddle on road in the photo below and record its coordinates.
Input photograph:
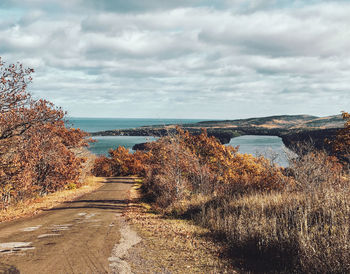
(88, 218)
(90, 215)
(48, 235)
(56, 228)
(31, 228)
(12, 247)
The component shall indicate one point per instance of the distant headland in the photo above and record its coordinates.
(291, 128)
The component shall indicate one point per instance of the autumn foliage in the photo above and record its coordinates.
(121, 162)
(183, 164)
(283, 220)
(37, 152)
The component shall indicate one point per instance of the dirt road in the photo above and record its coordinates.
(75, 237)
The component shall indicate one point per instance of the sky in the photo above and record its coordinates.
(222, 59)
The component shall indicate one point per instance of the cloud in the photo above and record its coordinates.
(183, 59)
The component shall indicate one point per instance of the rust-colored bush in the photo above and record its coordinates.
(183, 164)
(121, 162)
(102, 167)
(36, 149)
(305, 230)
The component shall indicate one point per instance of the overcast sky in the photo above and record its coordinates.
(220, 59)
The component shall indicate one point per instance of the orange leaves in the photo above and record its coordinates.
(121, 162)
(183, 164)
(102, 167)
(180, 165)
(36, 154)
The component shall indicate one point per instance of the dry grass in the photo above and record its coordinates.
(172, 245)
(284, 232)
(34, 206)
(303, 227)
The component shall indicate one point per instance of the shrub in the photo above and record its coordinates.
(183, 164)
(121, 162)
(36, 149)
(294, 223)
(305, 229)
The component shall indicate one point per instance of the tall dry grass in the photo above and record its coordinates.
(285, 232)
(303, 229)
(291, 220)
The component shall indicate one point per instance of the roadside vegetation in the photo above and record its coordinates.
(171, 245)
(294, 219)
(38, 153)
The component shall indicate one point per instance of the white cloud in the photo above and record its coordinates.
(160, 59)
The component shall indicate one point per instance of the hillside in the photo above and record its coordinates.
(291, 122)
(291, 128)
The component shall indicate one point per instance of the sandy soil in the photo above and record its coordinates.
(82, 236)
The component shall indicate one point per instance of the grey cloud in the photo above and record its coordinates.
(280, 34)
(119, 6)
(137, 6)
(236, 59)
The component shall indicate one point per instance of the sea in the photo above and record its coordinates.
(271, 147)
(104, 143)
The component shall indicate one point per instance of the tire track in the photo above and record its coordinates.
(88, 229)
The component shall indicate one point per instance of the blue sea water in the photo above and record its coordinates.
(268, 146)
(104, 143)
(99, 124)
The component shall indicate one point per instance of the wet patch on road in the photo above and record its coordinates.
(57, 228)
(88, 218)
(90, 215)
(48, 235)
(12, 247)
(31, 228)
